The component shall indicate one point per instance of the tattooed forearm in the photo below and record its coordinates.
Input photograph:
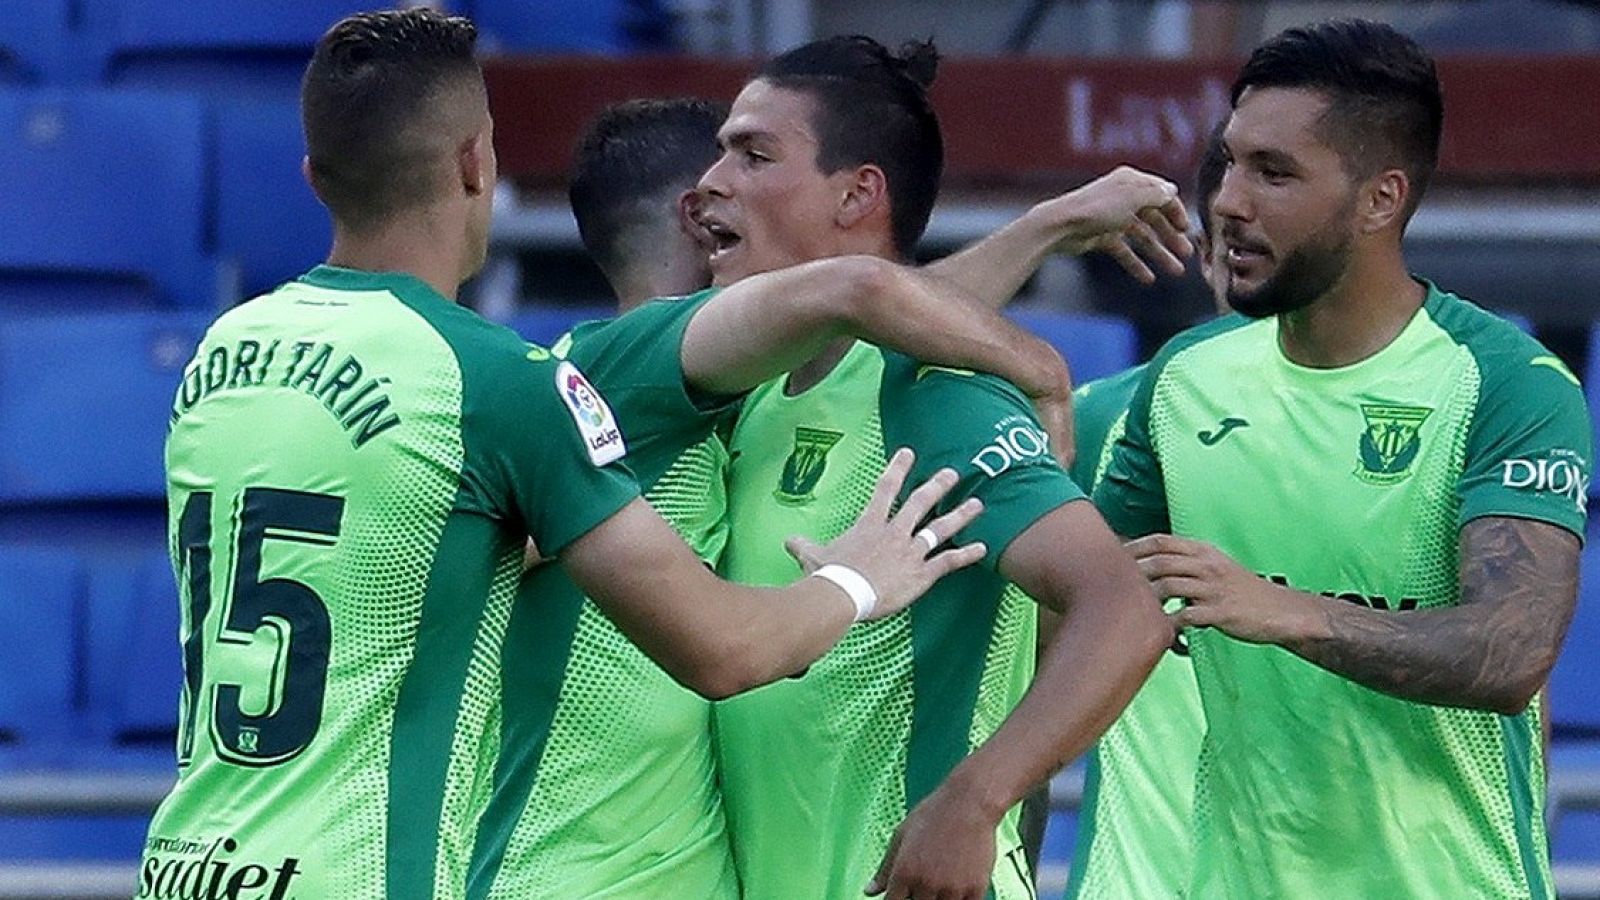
(1519, 585)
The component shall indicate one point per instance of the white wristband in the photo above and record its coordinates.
(853, 583)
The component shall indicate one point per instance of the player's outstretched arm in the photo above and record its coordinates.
(1493, 651)
(771, 323)
(1112, 634)
(1130, 215)
(719, 638)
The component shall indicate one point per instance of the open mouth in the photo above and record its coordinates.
(1243, 254)
(723, 237)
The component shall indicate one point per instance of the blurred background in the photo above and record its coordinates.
(149, 178)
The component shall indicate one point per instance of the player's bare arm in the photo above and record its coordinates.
(1134, 217)
(773, 322)
(1113, 634)
(719, 638)
(1493, 651)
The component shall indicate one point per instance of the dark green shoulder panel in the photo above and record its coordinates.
(1097, 406)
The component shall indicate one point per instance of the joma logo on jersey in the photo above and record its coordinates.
(194, 870)
(1389, 444)
(1021, 442)
(1563, 476)
(805, 465)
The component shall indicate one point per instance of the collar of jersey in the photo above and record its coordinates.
(1416, 331)
(340, 278)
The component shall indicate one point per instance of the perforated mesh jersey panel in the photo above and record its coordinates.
(616, 708)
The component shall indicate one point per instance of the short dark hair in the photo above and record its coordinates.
(631, 155)
(872, 107)
(1208, 176)
(369, 111)
(1384, 104)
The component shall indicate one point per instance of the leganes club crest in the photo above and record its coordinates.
(805, 465)
(1390, 442)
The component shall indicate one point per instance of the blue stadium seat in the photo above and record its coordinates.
(39, 607)
(583, 26)
(133, 662)
(84, 402)
(1095, 346)
(268, 221)
(1574, 703)
(544, 324)
(222, 48)
(105, 199)
(31, 34)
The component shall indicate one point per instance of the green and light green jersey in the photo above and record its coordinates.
(607, 787)
(353, 467)
(818, 770)
(1134, 832)
(1354, 482)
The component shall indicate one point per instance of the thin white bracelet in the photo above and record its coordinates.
(853, 583)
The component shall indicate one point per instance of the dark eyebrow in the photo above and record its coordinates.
(741, 138)
(1274, 158)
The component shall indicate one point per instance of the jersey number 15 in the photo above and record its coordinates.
(289, 609)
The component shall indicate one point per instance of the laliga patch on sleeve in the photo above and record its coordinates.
(596, 425)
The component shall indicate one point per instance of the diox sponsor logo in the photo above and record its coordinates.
(1561, 474)
(1017, 442)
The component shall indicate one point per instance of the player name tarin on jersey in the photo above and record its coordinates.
(182, 869)
(350, 392)
(1390, 442)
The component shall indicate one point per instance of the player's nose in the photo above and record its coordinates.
(714, 182)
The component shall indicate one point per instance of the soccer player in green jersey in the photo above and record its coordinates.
(353, 466)
(616, 796)
(833, 149)
(1134, 827)
(1371, 493)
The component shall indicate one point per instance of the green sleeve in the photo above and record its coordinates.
(1132, 494)
(984, 429)
(543, 448)
(1528, 446)
(636, 361)
(1097, 407)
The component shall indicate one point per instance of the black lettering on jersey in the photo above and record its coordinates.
(362, 409)
(216, 370)
(243, 359)
(371, 425)
(343, 378)
(360, 395)
(312, 372)
(300, 348)
(190, 392)
(179, 870)
(1371, 601)
(266, 363)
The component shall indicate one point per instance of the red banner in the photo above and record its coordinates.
(1015, 120)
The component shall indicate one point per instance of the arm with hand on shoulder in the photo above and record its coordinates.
(719, 638)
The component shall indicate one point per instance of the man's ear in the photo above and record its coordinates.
(1383, 201)
(866, 193)
(472, 162)
(689, 211)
